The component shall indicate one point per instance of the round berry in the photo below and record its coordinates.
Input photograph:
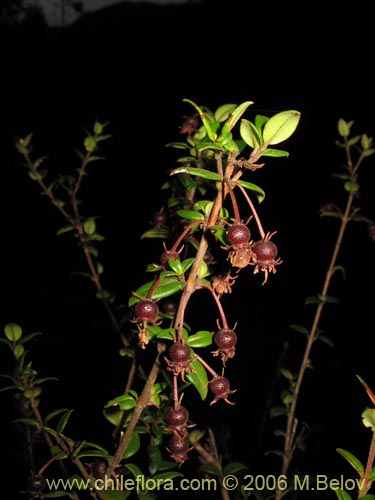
(238, 234)
(166, 255)
(169, 307)
(219, 385)
(160, 219)
(176, 417)
(178, 445)
(265, 251)
(225, 338)
(98, 468)
(146, 310)
(179, 353)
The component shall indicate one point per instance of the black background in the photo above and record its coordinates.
(132, 65)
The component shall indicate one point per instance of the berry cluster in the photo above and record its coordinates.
(242, 252)
(177, 420)
(197, 231)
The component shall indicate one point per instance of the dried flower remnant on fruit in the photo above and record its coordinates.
(220, 387)
(226, 340)
(169, 254)
(223, 284)
(146, 311)
(179, 361)
(264, 258)
(240, 250)
(179, 447)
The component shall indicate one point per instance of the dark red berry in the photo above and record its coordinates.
(238, 234)
(265, 251)
(178, 445)
(225, 338)
(176, 417)
(219, 385)
(179, 353)
(160, 219)
(98, 468)
(169, 307)
(146, 310)
(166, 255)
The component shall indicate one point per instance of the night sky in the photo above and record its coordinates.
(132, 65)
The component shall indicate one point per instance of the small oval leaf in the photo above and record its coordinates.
(281, 126)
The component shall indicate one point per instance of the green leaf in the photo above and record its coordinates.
(18, 351)
(260, 194)
(94, 453)
(166, 287)
(134, 469)
(187, 263)
(344, 127)
(279, 432)
(198, 377)
(210, 469)
(114, 494)
(250, 134)
(190, 214)
(166, 334)
(29, 336)
(278, 453)
(133, 445)
(299, 328)
(125, 402)
(96, 446)
(156, 232)
(224, 111)
(164, 476)
(154, 458)
(55, 494)
(175, 265)
(90, 144)
(325, 340)
(65, 229)
(234, 117)
(89, 226)
(287, 374)
(207, 124)
(365, 153)
(368, 418)
(275, 411)
(13, 332)
(198, 172)
(281, 126)
(234, 468)
(274, 153)
(202, 338)
(113, 415)
(63, 421)
(8, 388)
(351, 187)
(342, 495)
(28, 421)
(312, 299)
(353, 460)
